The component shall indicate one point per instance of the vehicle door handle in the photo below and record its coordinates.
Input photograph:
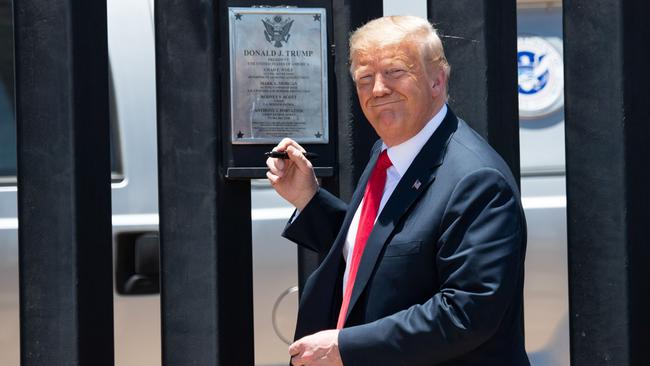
(137, 263)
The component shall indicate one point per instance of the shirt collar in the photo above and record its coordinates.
(402, 155)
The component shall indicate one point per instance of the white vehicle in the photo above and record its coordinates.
(134, 196)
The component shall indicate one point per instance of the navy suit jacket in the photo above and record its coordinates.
(441, 277)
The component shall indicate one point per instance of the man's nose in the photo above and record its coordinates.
(380, 88)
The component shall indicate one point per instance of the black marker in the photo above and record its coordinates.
(284, 155)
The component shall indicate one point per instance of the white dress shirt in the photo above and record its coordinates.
(401, 156)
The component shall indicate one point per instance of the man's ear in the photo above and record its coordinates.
(438, 83)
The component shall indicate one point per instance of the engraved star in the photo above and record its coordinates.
(317, 17)
(240, 134)
(318, 134)
(238, 16)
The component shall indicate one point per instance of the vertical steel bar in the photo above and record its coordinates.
(205, 224)
(480, 40)
(66, 304)
(608, 154)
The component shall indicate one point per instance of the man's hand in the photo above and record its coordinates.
(293, 178)
(319, 349)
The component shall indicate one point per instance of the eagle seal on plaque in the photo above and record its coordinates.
(277, 30)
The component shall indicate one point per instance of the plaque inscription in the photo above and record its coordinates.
(278, 75)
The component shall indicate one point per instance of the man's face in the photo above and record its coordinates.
(397, 94)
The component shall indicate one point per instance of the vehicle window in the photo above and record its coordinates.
(7, 107)
(7, 117)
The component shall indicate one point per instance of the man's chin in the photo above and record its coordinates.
(388, 117)
(390, 132)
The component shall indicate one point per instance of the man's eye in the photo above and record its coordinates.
(364, 79)
(396, 72)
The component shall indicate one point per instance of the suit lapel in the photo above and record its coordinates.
(411, 186)
(357, 196)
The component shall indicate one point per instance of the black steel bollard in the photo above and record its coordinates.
(608, 155)
(64, 207)
(205, 223)
(480, 40)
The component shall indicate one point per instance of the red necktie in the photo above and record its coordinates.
(371, 200)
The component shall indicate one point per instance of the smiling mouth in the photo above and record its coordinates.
(385, 103)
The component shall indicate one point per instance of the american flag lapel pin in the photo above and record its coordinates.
(417, 184)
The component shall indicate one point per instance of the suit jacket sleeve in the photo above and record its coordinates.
(479, 259)
(318, 223)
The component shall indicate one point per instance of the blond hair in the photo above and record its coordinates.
(395, 30)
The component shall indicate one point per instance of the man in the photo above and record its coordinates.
(425, 265)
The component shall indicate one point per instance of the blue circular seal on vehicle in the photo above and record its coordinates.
(540, 77)
(533, 76)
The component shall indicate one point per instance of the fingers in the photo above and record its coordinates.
(285, 143)
(295, 153)
(297, 361)
(302, 359)
(295, 351)
(292, 178)
(276, 166)
(298, 158)
(304, 353)
(273, 178)
(319, 349)
(296, 348)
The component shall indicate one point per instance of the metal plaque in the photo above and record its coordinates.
(278, 75)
